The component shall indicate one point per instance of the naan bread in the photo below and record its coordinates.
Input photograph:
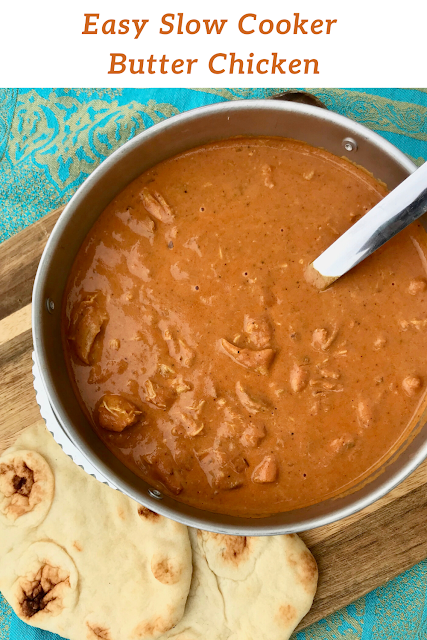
(246, 588)
(80, 559)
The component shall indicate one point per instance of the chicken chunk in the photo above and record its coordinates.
(87, 321)
(115, 413)
(249, 403)
(189, 417)
(416, 286)
(252, 435)
(162, 397)
(364, 414)
(179, 385)
(178, 349)
(412, 385)
(328, 373)
(380, 342)
(192, 426)
(267, 173)
(343, 443)
(258, 330)
(157, 206)
(322, 339)
(298, 378)
(221, 472)
(257, 361)
(266, 471)
(226, 434)
(165, 470)
(166, 372)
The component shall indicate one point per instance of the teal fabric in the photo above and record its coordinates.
(50, 141)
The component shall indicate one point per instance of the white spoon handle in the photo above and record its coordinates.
(397, 210)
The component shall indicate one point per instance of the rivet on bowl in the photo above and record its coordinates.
(349, 144)
(154, 493)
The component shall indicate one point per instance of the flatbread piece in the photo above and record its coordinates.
(80, 559)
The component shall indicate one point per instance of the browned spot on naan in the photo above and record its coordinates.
(308, 569)
(98, 632)
(233, 548)
(287, 614)
(146, 513)
(43, 592)
(154, 628)
(165, 571)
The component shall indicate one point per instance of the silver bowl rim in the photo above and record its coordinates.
(258, 528)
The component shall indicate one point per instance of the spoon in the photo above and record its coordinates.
(405, 204)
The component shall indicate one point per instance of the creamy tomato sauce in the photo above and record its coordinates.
(206, 362)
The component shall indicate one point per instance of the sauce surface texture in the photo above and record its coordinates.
(205, 361)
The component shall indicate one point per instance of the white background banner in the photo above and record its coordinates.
(129, 43)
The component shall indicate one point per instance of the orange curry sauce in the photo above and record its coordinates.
(205, 361)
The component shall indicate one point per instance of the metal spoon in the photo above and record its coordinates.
(397, 210)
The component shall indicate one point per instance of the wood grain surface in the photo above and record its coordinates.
(354, 555)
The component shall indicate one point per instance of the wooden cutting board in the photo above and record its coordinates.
(354, 555)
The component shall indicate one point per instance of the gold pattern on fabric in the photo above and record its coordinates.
(241, 94)
(418, 161)
(69, 140)
(5, 616)
(402, 616)
(346, 624)
(112, 93)
(378, 112)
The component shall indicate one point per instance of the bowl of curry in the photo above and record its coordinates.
(186, 356)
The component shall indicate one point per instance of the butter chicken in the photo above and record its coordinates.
(206, 362)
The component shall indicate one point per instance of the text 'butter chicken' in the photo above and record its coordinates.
(207, 363)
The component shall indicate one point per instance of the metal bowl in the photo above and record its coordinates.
(319, 127)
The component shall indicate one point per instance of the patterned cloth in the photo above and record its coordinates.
(51, 139)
